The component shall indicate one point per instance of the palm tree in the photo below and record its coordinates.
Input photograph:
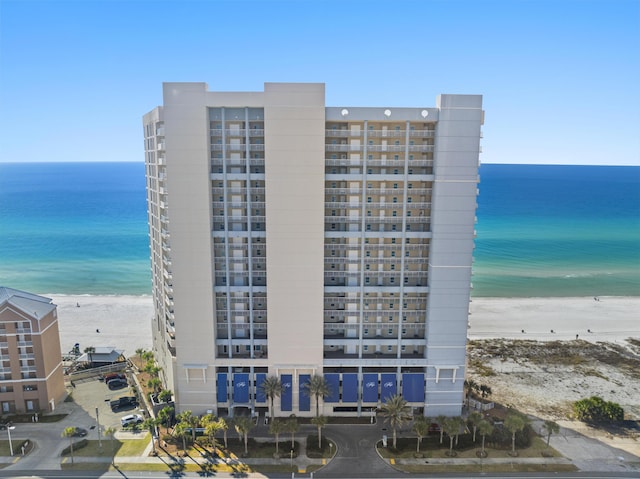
(396, 412)
(320, 422)
(276, 427)
(191, 421)
(318, 387)
(224, 427)
(485, 391)
(69, 432)
(474, 418)
(211, 427)
(440, 420)
(484, 428)
(164, 416)
(150, 424)
(243, 426)
(452, 427)
(421, 428)
(165, 395)
(514, 422)
(470, 386)
(110, 433)
(90, 350)
(155, 384)
(292, 426)
(271, 388)
(551, 427)
(181, 431)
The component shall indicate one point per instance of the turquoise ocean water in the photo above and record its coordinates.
(81, 228)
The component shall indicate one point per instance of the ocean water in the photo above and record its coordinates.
(81, 228)
(558, 231)
(74, 228)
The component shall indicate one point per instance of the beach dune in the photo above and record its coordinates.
(125, 321)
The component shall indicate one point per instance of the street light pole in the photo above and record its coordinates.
(9, 429)
(291, 458)
(98, 421)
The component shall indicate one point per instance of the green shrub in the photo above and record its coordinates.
(596, 409)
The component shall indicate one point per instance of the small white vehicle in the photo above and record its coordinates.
(130, 419)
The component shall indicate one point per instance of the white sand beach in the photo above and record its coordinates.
(608, 318)
(125, 321)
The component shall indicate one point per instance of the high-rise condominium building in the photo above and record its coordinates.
(292, 239)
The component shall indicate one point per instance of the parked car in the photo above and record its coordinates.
(110, 376)
(125, 402)
(131, 419)
(117, 383)
(79, 432)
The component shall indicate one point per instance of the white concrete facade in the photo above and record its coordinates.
(289, 238)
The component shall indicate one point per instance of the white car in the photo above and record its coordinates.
(131, 419)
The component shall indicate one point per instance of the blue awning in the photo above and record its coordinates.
(370, 387)
(303, 394)
(286, 397)
(413, 387)
(388, 388)
(333, 381)
(222, 387)
(350, 387)
(260, 397)
(241, 388)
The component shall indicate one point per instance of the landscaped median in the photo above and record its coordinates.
(135, 455)
(434, 457)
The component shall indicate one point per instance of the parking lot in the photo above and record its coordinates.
(92, 394)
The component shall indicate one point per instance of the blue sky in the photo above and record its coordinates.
(560, 79)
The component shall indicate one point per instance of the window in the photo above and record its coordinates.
(390, 305)
(365, 347)
(389, 348)
(406, 254)
(410, 157)
(392, 280)
(367, 254)
(366, 332)
(368, 199)
(397, 143)
(333, 252)
(366, 280)
(395, 171)
(410, 185)
(369, 171)
(393, 267)
(393, 241)
(393, 254)
(368, 227)
(366, 267)
(368, 213)
(390, 331)
(394, 213)
(396, 157)
(395, 186)
(333, 212)
(409, 199)
(394, 228)
(333, 226)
